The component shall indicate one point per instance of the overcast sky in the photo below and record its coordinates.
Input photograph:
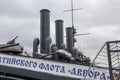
(100, 18)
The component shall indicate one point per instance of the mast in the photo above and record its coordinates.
(72, 19)
(72, 16)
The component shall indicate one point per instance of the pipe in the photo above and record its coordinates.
(69, 39)
(44, 30)
(35, 45)
(59, 34)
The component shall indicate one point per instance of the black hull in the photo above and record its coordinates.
(11, 73)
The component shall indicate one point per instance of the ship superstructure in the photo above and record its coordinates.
(58, 61)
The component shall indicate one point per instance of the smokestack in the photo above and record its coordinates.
(69, 39)
(45, 31)
(59, 34)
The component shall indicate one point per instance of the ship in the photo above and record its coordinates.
(57, 61)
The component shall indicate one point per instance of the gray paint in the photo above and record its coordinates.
(35, 45)
(69, 38)
(47, 45)
(45, 31)
(74, 52)
(53, 48)
(59, 34)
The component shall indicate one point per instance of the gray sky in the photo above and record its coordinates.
(101, 18)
